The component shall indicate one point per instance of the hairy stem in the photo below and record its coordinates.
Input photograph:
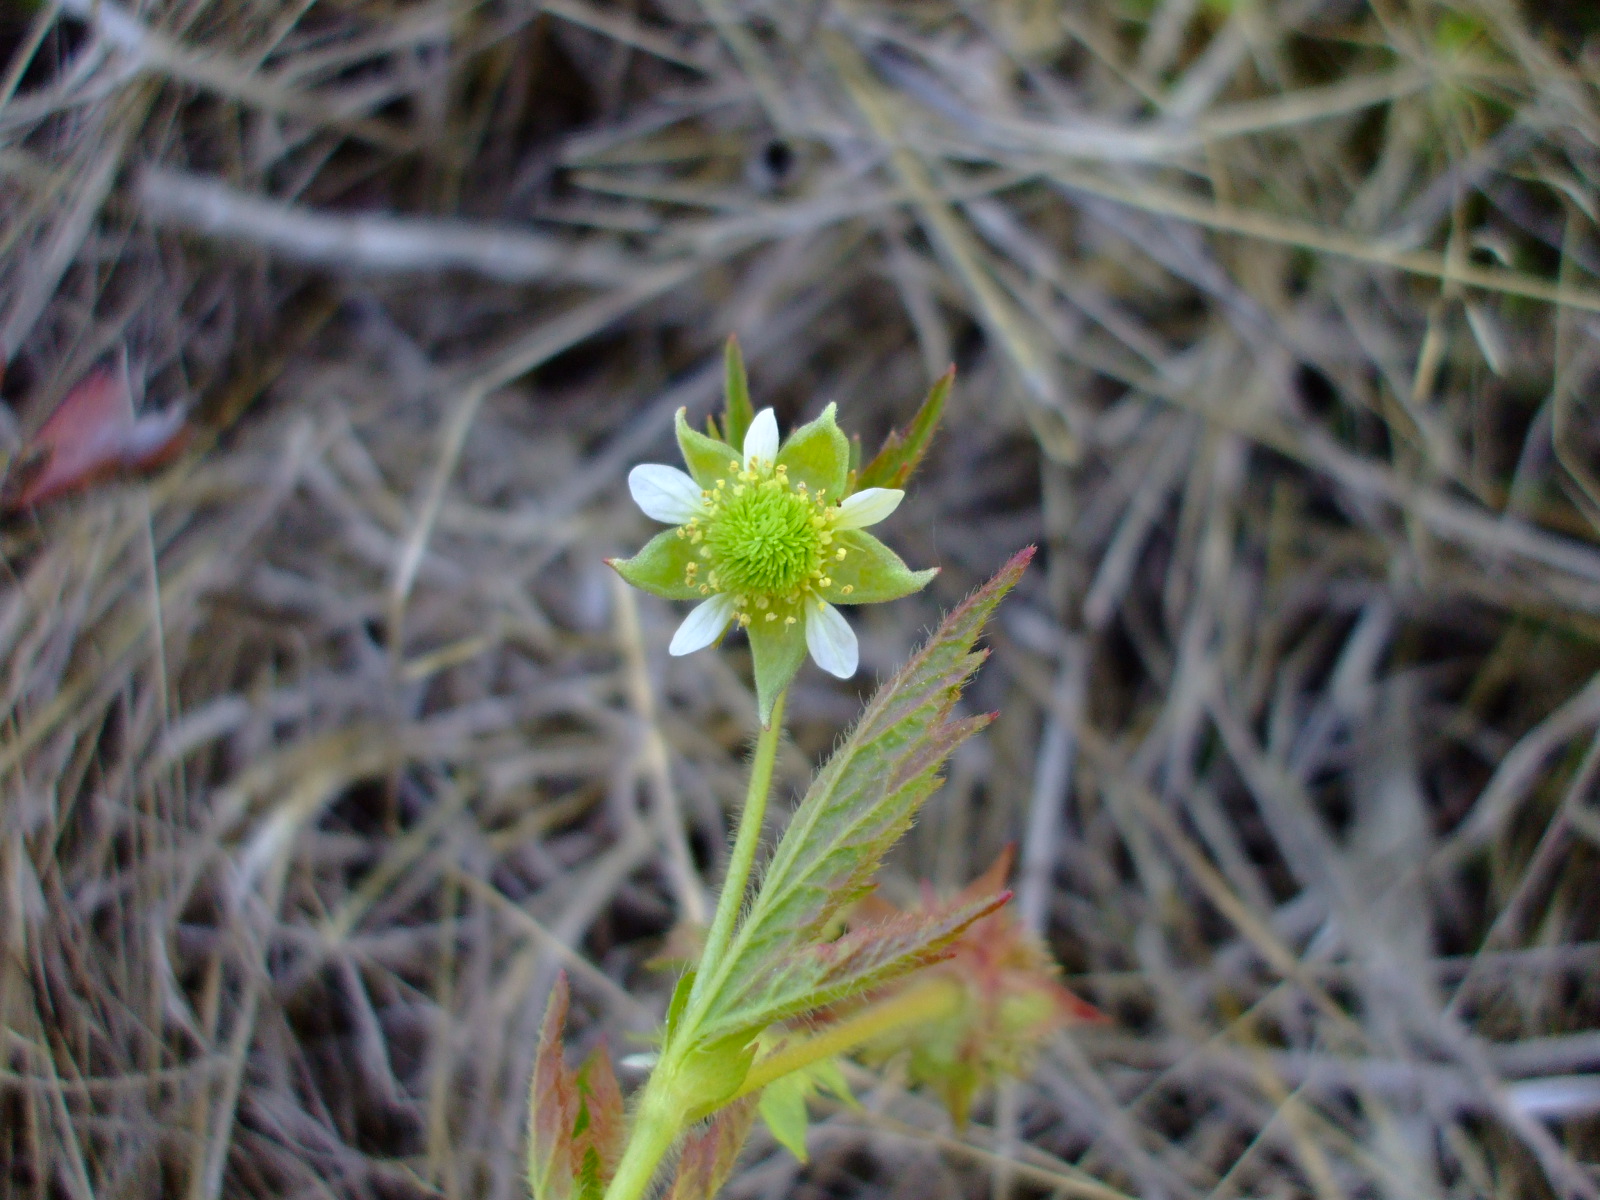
(745, 844)
(662, 1110)
(656, 1126)
(927, 1001)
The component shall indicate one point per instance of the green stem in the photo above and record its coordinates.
(927, 1001)
(660, 1115)
(655, 1127)
(745, 844)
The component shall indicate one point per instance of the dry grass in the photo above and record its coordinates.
(1279, 328)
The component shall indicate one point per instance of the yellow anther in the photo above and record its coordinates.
(838, 555)
(848, 588)
(771, 616)
(786, 620)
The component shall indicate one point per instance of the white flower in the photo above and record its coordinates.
(732, 580)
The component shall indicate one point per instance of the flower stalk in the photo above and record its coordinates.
(742, 860)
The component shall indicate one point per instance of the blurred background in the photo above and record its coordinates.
(330, 741)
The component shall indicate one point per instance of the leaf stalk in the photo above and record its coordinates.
(931, 1000)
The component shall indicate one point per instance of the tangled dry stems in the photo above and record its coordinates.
(1277, 327)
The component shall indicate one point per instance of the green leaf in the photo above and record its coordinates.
(871, 570)
(858, 805)
(661, 565)
(818, 455)
(777, 650)
(783, 1102)
(902, 453)
(738, 411)
(552, 1107)
(783, 1108)
(708, 1157)
(679, 1001)
(708, 460)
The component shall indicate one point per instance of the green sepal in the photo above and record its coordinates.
(777, 651)
(708, 1076)
(738, 412)
(902, 452)
(659, 567)
(707, 459)
(818, 455)
(872, 571)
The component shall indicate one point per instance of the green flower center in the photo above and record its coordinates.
(767, 541)
(764, 538)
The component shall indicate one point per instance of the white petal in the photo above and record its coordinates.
(867, 507)
(761, 439)
(703, 625)
(831, 640)
(664, 493)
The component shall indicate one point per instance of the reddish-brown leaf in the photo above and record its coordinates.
(602, 1125)
(709, 1155)
(92, 435)
(552, 1107)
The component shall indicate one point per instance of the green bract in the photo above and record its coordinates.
(771, 539)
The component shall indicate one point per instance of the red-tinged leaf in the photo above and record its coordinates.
(858, 805)
(902, 452)
(710, 1154)
(552, 1107)
(601, 1126)
(871, 955)
(1013, 1000)
(92, 435)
